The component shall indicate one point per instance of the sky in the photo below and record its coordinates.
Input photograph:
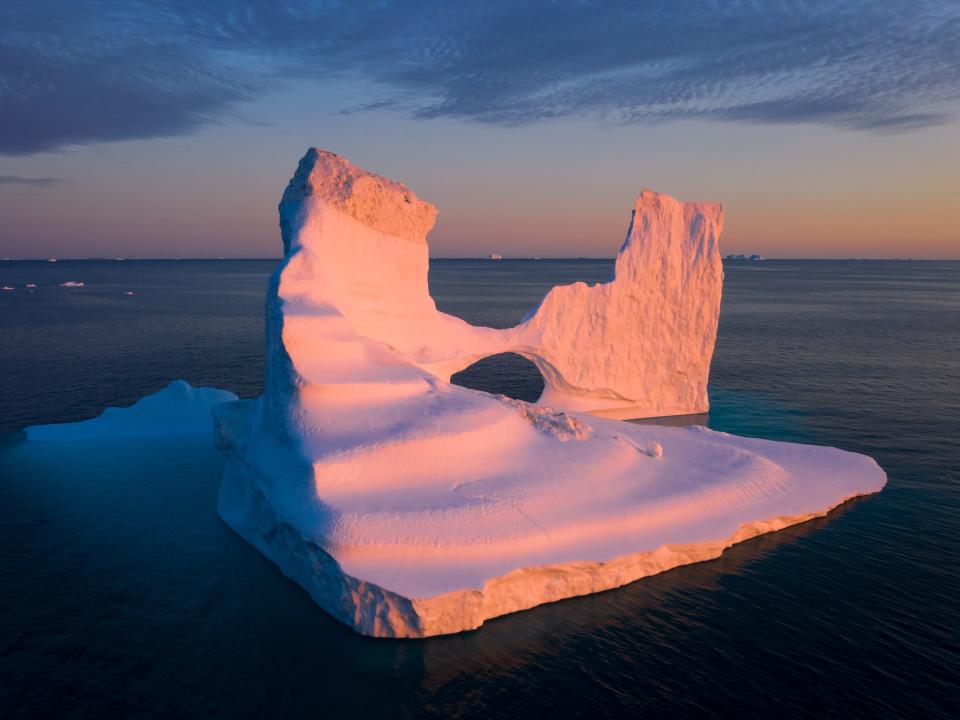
(169, 128)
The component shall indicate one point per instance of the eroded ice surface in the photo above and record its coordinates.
(639, 345)
(177, 409)
(409, 507)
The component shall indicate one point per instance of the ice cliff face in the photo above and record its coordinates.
(409, 507)
(641, 344)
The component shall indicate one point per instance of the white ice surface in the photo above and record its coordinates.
(177, 409)
(409, 507)
(639, 345)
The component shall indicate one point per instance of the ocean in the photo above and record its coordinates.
(123, 595)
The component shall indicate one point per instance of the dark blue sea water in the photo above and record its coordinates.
(123, 595)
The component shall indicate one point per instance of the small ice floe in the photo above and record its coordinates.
(6, 288)
(51, 259)
(654, 449)
(71, 283)
(31, 285)
(128, 292)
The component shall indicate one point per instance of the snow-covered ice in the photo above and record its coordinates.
(178, 409)
(407, 506)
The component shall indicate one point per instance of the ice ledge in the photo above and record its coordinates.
(411, 574)
(375, 611)
(178, 409)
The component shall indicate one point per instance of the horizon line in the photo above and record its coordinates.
(527, 258)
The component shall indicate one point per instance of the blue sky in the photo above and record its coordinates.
(169, 128)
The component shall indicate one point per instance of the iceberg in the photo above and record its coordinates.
(178, 409)
(410, 507)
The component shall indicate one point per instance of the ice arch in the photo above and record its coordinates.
(505, 374)
(353, 283)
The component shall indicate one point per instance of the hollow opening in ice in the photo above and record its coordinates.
(505, 374)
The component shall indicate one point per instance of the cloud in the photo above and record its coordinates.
(79, 72)
(18, 180)
(82, 72)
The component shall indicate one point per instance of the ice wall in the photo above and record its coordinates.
(355, 266)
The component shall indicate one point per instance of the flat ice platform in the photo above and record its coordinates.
(433, 532)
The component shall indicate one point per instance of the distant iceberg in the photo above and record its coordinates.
(71, 284)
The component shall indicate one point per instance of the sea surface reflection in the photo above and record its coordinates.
(123, 595)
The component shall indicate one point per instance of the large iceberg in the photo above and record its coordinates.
(409, 507)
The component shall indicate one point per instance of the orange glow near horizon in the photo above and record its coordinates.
(562, 189)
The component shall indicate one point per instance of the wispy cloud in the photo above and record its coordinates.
(19, 181)
(84, 71)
